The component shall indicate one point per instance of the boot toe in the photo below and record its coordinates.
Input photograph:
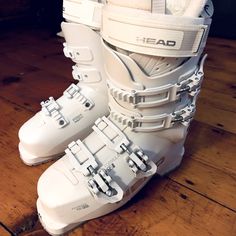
(62, 192)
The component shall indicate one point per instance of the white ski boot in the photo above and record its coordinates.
(46, 135)
(152, 98)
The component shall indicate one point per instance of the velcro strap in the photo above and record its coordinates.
(154, 34)
(161, 95)
(84, 12)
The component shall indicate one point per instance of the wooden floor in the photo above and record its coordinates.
(197, 199)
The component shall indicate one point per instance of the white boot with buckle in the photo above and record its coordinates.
(46, 135)
(152, 52)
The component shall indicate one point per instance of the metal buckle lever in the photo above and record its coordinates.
(185, 115)
(101, 183)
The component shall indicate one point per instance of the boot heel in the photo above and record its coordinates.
(171, 160)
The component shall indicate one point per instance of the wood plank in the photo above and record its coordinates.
(165, 208)
(219, 81)
(41, 56)
(221, 44)
(12, 68)
(221, 54)
(212, 146)
(216, 117)
(18, 181)
(32, 88)
(36, 51)
(3, 231)
(18, 38)
(34, 69)
(209, 166)
(217, 109)
(162, 208)
(184, 204)
(221, 101)
(208, 181)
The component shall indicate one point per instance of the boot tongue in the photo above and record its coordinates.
(177, 7)
(152, 65)
(173, 7)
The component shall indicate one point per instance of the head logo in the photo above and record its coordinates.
(153, 41)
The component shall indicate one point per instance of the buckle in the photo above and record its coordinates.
(139, 163)
(51, 108)
(184, 115)
(71, 91)
(163, 94)
(115, 142)
(193, 84)
(76, 73)
(90, 75)
(68, 51)
(100, 183)
(152, 123)
(104, 188)
(81, 158)
(78, 54)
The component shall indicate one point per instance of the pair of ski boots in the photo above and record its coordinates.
(145, 70)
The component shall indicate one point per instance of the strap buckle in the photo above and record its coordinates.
(152, 123)
(163, 95)
(71, 91)
(139, 163)
(117, 140)
(81, 158)
(104, 188)
(193, 84)
(100, 183)
(86, 75)
(68, 51)
(160, 95)
(51, 108)
(78, 54)
(184, 115)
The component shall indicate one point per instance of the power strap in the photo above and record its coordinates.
(154, 34)
(83, 12)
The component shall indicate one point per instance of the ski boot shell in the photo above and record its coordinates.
(46, 135)
(151, 107)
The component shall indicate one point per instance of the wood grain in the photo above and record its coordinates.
(4, 232)
(197, 199)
